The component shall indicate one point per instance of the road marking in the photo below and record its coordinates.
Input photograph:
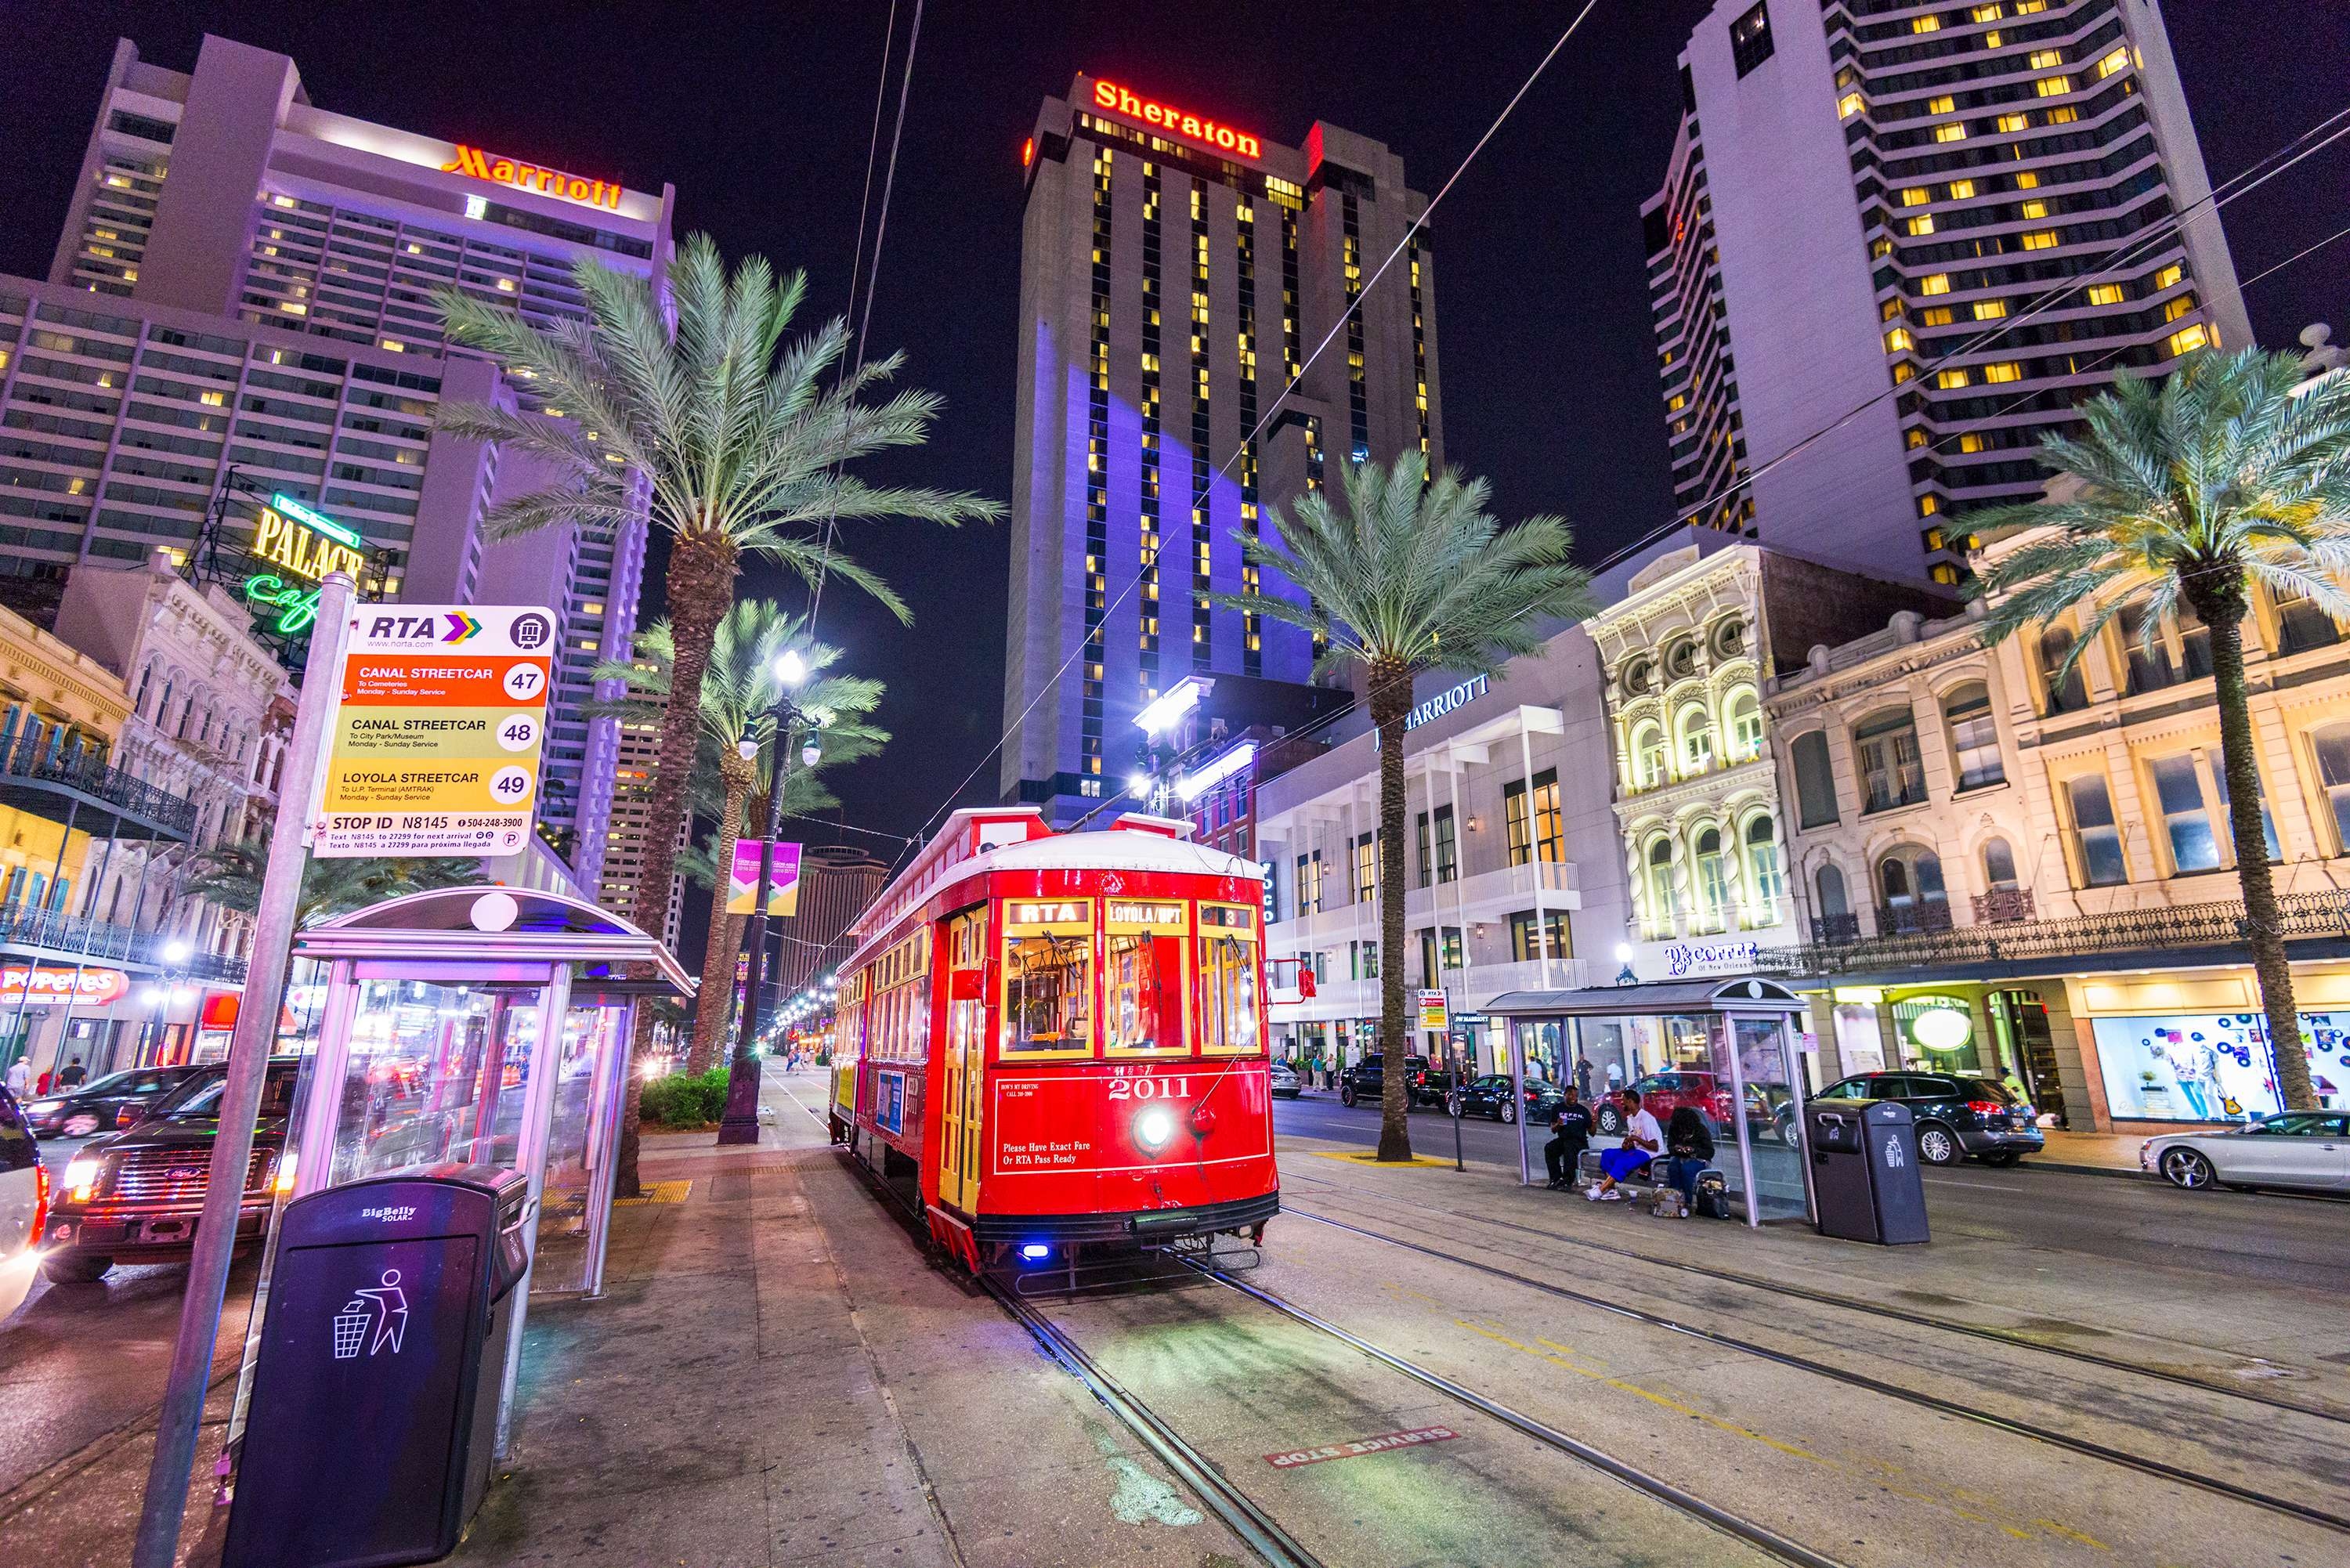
(1385, 1442)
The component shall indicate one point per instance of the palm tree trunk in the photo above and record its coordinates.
(2223, 611)
(1390, 702)
(716, 1004)
(700, 586)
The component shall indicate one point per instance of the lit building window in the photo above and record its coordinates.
(2106, 294)
(2047, 59)
(1899, 340)
(1954, 131)
(1951, 380)
(2040, 240)
(2053, 87)
(2005, 371)
(1962, 189)
(1943, 104)
(1850, 104)
(2027, 180)
(2034, 209)
(2168, 276)
(2065, 114)
(2118, 61)
(2014, 122)
(1936, 315)
(2186, 339)
(1916, 196)
(1985, 14)
(1971, 443)
(1935, 283)
(1925, 24)
(1921, 226)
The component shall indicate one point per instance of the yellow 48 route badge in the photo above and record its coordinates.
(439, 716)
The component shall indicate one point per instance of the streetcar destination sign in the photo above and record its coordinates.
(440, 717)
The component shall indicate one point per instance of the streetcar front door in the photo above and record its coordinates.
(966, 1052)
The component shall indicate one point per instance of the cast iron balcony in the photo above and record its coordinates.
(2003, 907)
(1914, 918)
(68, 938)
(53, 781)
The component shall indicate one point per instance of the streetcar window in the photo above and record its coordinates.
(1229, 1020)
(1048, 982)
(1143, 976)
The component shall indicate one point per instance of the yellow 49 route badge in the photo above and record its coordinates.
(440, 717)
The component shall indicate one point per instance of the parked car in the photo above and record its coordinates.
(1285, 1081)
(24, 1204)
(1366, 1080)
(1956, 1116)
(2304, 1149)
(104, 1105)
(1489, 1096)
(1662, 1094)
(136, 1196)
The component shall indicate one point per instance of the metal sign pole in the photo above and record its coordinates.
(165, 1504)
(1518, 1087)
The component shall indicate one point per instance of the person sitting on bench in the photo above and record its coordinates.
(1643, 1141)
(1688, 1148)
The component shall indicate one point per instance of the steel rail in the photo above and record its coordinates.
(2081, 1446)
(1742, 1529)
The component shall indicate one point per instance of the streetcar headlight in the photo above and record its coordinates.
(1153, 1128)
(1035, 1252)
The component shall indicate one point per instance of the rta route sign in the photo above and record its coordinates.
(439, 716)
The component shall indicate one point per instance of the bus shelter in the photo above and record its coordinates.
(479, 1026)
(1729, 1048)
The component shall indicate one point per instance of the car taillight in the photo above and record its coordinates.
(40, 1203)
(1986, 1108)
(127, 1115)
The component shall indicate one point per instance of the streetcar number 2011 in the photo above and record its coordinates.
(1151, 1088)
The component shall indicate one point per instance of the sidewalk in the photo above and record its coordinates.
(2101, 1154)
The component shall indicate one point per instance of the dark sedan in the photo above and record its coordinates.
(102, 1105)
(1490, 1097)
(1957, 1115)
(136, 1196)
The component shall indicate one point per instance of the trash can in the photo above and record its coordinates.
(1865, 1171)
(375, 1391)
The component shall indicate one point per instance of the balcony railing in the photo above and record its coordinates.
(33, 764)
(1913, 919)
(2003, 906)
(1486, 890)
(66, 939)
(2154, 929)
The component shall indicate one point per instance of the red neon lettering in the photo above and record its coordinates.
(1111, 96)
(475, 164)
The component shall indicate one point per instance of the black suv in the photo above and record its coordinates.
(136, 1196)
(116, 1100)
(1366, 1080)
(1956, 1116)
(1489, 1096)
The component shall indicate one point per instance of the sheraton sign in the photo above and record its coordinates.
(1175, 122)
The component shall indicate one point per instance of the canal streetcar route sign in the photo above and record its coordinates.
(439, 719)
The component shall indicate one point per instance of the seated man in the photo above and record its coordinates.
(1570, 1136)
(1643, 1141)
(1689, 1144)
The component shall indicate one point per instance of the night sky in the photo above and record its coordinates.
(760, 114)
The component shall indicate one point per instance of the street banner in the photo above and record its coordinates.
(782, 884)
(1431, 1011)
(440, 718)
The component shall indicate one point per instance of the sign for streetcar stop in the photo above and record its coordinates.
(439, 715)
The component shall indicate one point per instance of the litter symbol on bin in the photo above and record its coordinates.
(384, 1309)
(1892, 1151)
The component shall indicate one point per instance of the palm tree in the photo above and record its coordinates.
(230, 874)
(738, 696)
(2235, 471)
(1414, 574)
(679, 396)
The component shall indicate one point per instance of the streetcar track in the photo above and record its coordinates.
(2084, 1447)
(2006, 1338)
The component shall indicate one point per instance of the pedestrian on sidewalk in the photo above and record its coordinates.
(1582, 1077)
(19, 1071)
(71, 1078)
(1643, 1141)
(1688, 1148)
(1570, 1135)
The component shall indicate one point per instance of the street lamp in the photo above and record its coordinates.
(1624, 956)
(741, 1122)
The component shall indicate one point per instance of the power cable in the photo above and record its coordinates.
(1248, 441)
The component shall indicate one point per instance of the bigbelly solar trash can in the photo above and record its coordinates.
(375, 1391)
(1865, 1175)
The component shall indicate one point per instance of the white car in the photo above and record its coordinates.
(24, 1204)
(2309, 1149)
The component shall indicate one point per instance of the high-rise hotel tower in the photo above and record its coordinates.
(1861, 187)
(241, 306)
(1176, 273)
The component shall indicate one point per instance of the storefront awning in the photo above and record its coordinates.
(1711, 994)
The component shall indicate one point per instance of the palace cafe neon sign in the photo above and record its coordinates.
(1189, 127)
(476, 164)
(308, 544)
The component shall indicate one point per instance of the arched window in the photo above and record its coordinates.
(1910, 894)
(1680, 660)
(1763, 873)
(1693, 738)
(1999, 863)
(1816, 802)
(1974, 736)
(1712, 880)
(1647, 754)
(1830, 883)
(1726, 639)
(1741, 721)
(145, 680)
(1663, 905)
(2060, 686)
(1886, 746)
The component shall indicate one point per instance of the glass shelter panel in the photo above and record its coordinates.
(578, 1146)
(1771, 1118)
(435, 1072)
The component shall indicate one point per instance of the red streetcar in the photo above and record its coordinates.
(1055, 1044)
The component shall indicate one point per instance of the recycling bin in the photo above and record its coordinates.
(376, 1375)
(1865, 1175)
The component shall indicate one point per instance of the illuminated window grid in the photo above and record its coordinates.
(1096, 473)
(1419, 361)
(1147, 545)
(120, 218)
(1358, 405)
(1244, 219)
(1202, 644)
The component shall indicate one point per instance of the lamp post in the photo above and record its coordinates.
(741, 1122)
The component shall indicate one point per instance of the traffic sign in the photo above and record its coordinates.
(440, 718)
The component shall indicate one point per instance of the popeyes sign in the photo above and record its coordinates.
(55, 985)
(476, 164)
(1189, 127)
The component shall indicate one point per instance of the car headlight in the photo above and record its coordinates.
(43, 1107)
(81, 1177)
(1153, 1128)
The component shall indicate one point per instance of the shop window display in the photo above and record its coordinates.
(2212, 1067)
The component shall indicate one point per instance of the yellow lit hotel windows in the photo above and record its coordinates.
(1850, 104)
(1899, 339)
(2041, 240)
(1990, 309)
(2005, 371)
(2027, 180)
(1923, 225)
(2186, 339)
(2177, 306)
(1992, 39)
(1951, 381)
(2047, 59)
(1935, 315)
(2168, 276)
(1985, 14)
(1962, 189)
(1925, 24)
(2115, 61)
(1971, 443)
(2034, 209)
(1927, 505)
(2030, 8)
(1903, 370)
(1916, 437)
(1942, 105)
(1935, 283)
(1916, 196)
(2053, 87)
(2106, 294)
(2064, 115)
(2008, 122)
(1954, 131)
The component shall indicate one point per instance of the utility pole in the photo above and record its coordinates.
(162, 1510)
